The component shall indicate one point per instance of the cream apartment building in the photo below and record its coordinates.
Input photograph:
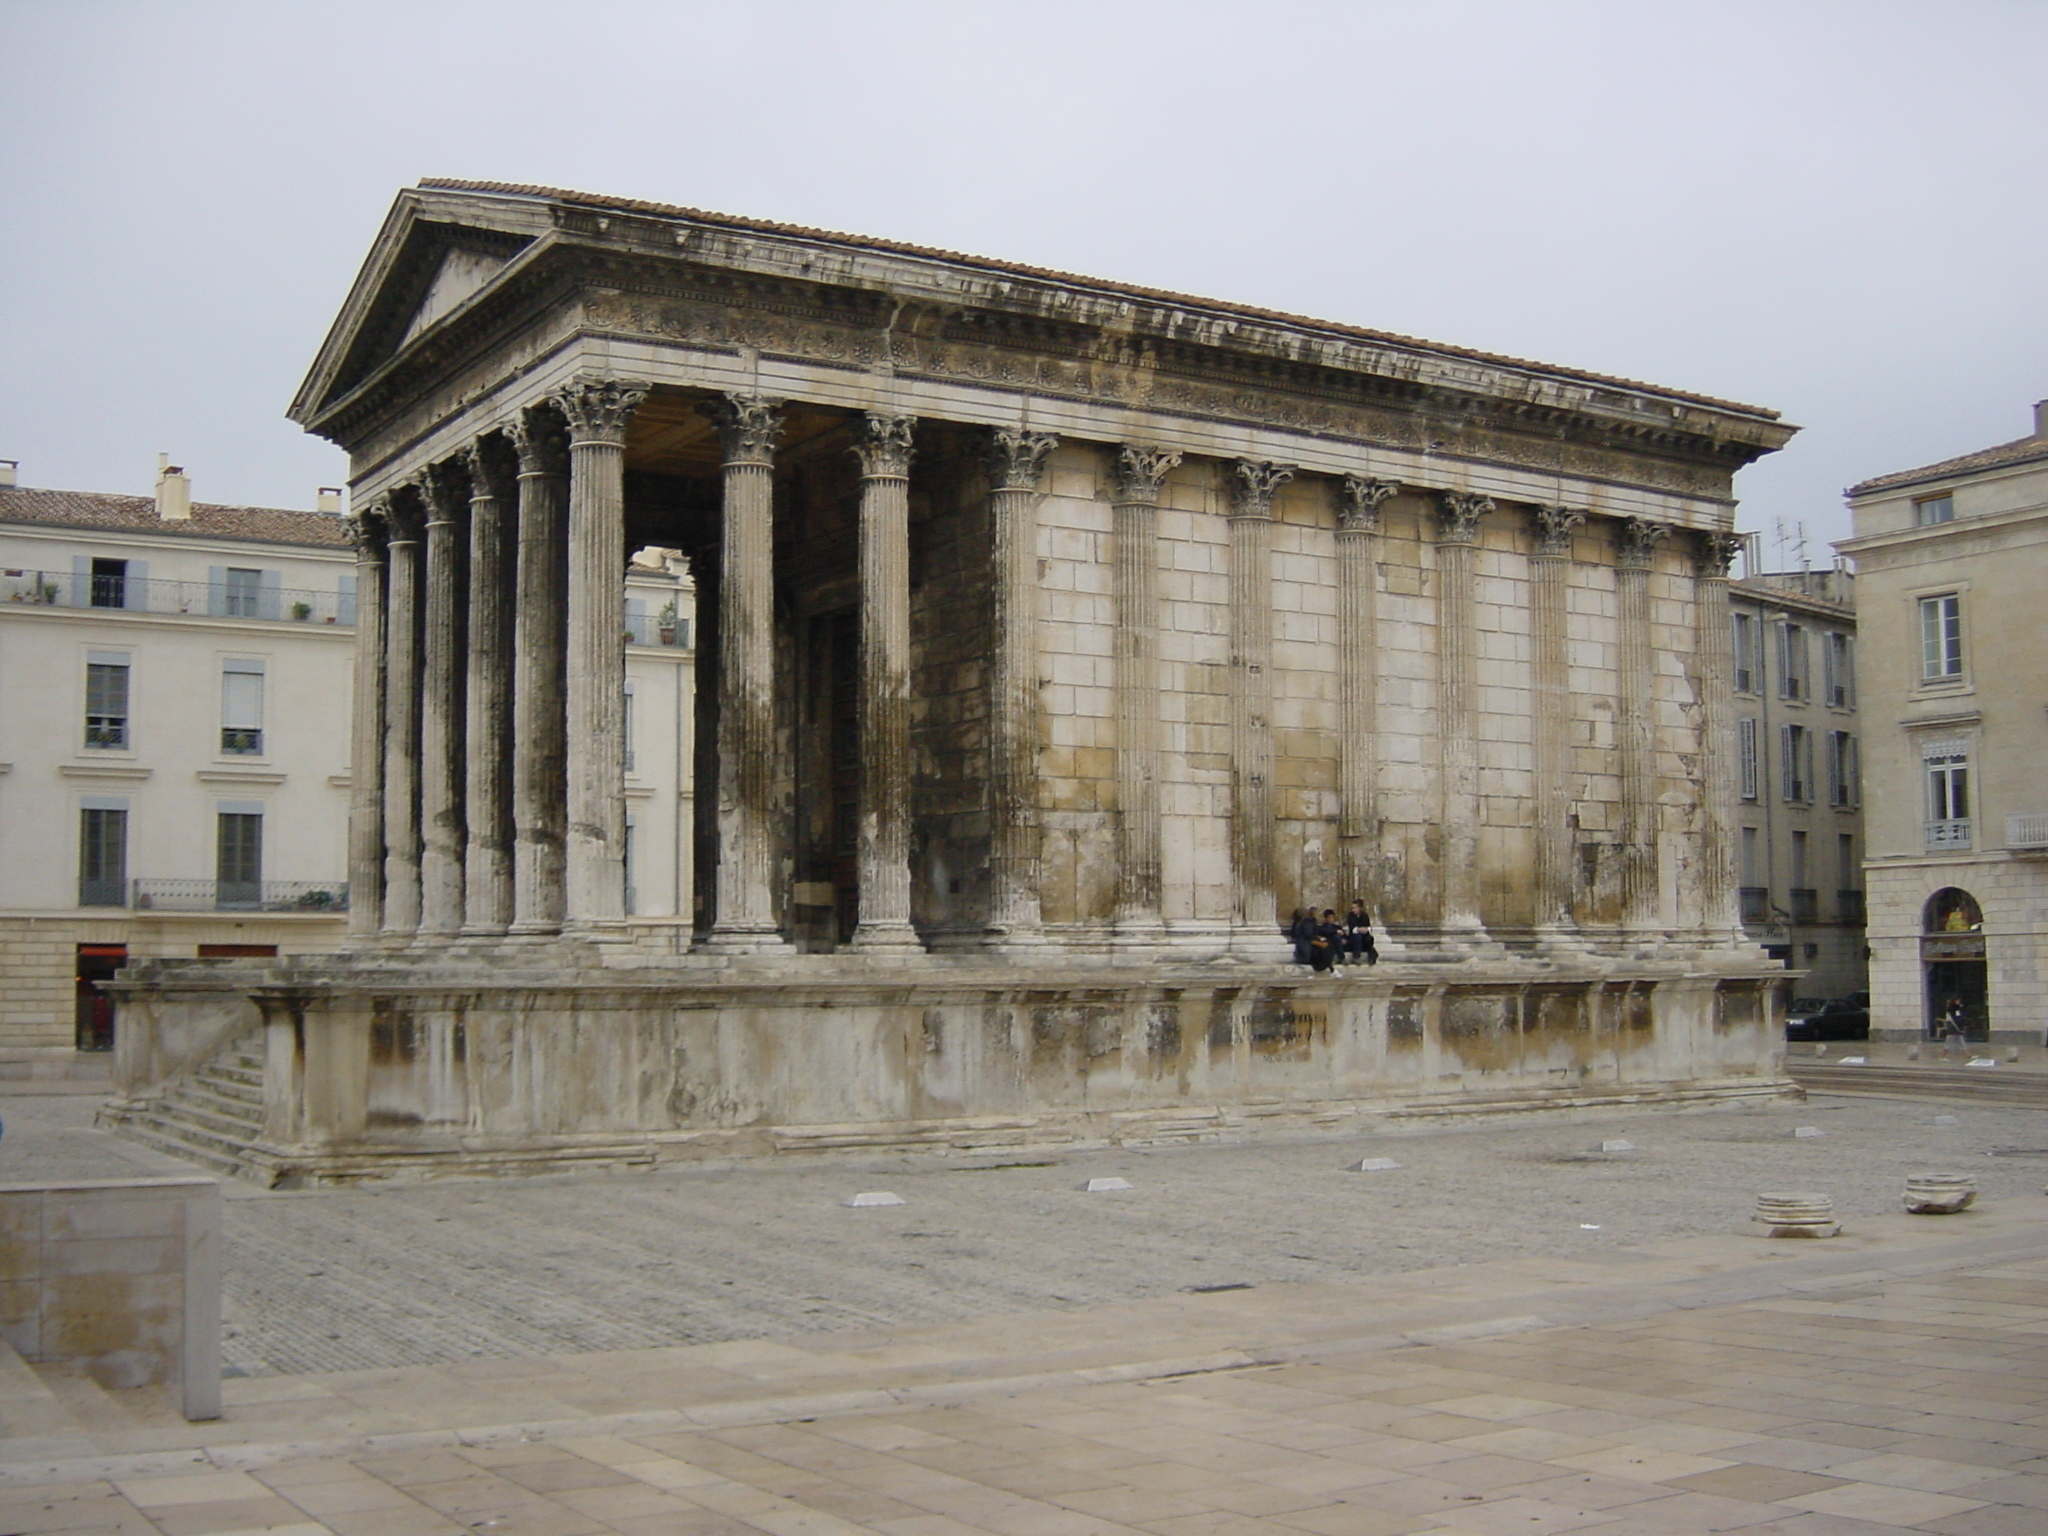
(175, 680)
(1952, 561)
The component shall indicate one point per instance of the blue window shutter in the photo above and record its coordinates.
(269, 595)
(81, 582)
(345, 599)
(135, 590)
(216, 590)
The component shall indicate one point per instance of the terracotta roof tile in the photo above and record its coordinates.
(2019, 451)
(960, 258)
(137, 514)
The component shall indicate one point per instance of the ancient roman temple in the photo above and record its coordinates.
(1057, 639)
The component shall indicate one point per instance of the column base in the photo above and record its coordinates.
(746, 941)
(884, 939)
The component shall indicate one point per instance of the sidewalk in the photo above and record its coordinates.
(1893, 1378)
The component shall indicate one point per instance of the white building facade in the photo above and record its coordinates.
(1951, 562)
(174, 726)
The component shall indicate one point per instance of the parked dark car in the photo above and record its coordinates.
(1840, 1018)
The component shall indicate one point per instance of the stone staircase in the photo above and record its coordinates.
(1978, 1085)
(213, 1117)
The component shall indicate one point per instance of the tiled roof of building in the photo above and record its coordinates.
(137, 514)
(2019, 451)
(989, 264)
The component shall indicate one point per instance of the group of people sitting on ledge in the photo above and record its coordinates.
(1321, 942)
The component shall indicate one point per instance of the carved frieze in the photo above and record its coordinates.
(1140, 470)
(1252, 484)
(882, 444)
(1358, 503)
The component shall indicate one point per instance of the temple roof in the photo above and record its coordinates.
(137, 514)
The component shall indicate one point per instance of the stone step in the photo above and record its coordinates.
(214, 1154)
(226, 1086)
(219, 1113)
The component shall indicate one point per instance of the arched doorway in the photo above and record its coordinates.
(1952, 959)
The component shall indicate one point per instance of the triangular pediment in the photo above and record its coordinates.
(436, 252)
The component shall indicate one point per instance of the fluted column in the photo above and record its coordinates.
(1358, 818)
(367, 531)
(1550, 581)
(402, 720)
(1139, 474)
(1458, 517)
(1719, 879)
(442, 668)
(1636, 719)
(1016, 459)
(745, 919)
(539, 672)
(597, 411)
(1251, 704)
(883, 446)
(487, 793)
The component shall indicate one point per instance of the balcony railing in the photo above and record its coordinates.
(641, 629)
(1805, 905)
(1943, 836)
(206, 599)
(2026, 831)
(1849, 908)
(239, 895)
(1756, 905)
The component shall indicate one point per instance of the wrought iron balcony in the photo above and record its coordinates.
(644, 629)
(1805, 905)
(1756, 905)
(1849, 908)
(239, 895)
(204, 599)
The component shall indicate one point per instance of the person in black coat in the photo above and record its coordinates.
(1358, 942)
(1327, 944)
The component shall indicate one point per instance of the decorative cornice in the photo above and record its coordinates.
(597, 410)
(536, 435)
(120, 771)
(749, 426)
(882, 444)
(1713, 554)
(1554, 528)
(1139, 470)
(1358, 503)
(1252, 484)
(1458, 514)
(1016, 457)
(1636, 540)
(239, 776)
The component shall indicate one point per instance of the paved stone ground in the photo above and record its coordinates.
(351, 1280)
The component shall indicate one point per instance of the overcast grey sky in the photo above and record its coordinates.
(1830, 208)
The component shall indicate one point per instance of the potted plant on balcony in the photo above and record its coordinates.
(667, 623)
(301, 611)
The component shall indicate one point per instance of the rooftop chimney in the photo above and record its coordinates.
(2041, 418)
(328, 500)
(7, 469)
(173, 492)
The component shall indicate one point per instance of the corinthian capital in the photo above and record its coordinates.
(402, 507)
(1713, 553)
(367, 525)
(1358, 503)
(1554, 527)
(598, 409)
(1636, 541)
(537, 437)
(1252, 485)
(1140, 470)
(1016, 457)
(1458, 514)
(883, 445)
(446, 486)
(749, 426)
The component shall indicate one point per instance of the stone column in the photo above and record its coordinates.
(884, 449)
(487, 792)
(597, 411)
(1550, 583)
(1636, 719)
(1139, 473)
(1358, 818)
(402, 719)
(442, 665)
(1016, 459)
(540, 649)
(1251, 705)
(1720, 879)
(745, 917)
(1458, 518)
(367, 530)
